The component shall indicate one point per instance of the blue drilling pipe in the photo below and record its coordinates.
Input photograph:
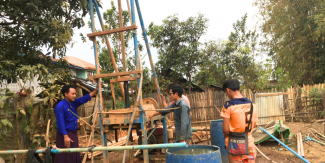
(295, 153)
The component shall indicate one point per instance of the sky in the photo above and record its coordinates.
(221, 14)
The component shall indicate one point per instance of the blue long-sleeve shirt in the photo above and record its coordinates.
(66, 120)
(182, 120)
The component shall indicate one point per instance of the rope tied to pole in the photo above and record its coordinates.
(90, 148)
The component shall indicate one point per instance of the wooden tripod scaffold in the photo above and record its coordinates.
(124, 76)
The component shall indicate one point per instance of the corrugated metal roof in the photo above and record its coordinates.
(87, 83)
(80, 63)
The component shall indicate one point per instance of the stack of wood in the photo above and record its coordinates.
(318, 136)
(121, 142)
(300, 145)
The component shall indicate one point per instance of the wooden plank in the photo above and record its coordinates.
(112, 31)
(275, 94)
(122, 79)
(301, 145)
(114, 74)
(124, 127)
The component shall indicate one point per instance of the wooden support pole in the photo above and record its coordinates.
(122, 35)
(117, 30)
(123, 79)
(47, 132)
(114, 74)
(91, 137)
(103, 135)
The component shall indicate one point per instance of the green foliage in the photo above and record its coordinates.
(293, 34)
(149, 85)
(282, 78)
(316, 98)
(234, 58)
(178, 43)
(5, 126)
(28, 26)
(26, 29)
(316, 94)
(23, 116)
(119, 104)
(5, 96)
(240, 50)
(208, 67)
(320, 21)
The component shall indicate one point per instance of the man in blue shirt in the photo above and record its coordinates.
(182, 116)
(66, 136)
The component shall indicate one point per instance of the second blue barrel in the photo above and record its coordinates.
(217, 138)
(194, 154)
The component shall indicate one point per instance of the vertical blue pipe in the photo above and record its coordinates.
(142, 117)
(102, 134)
(98, 13)
(144, 33)
(165, 130)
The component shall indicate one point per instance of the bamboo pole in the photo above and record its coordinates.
(115, 148)
(301, 145)
(264, 155)
(122, 35)
(47, 132)
(91, 137)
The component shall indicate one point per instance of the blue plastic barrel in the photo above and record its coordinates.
(174, 155)
(217, 138)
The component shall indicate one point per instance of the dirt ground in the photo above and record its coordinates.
(314, 152)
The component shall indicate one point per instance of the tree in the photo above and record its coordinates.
(208, 70)
(178, 43)
(294, 37)
(233, 58)
(27, 27)
(241, 51)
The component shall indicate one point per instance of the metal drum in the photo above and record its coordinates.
(217, 138)
(194, 154)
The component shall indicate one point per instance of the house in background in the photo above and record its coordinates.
(79, 69)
